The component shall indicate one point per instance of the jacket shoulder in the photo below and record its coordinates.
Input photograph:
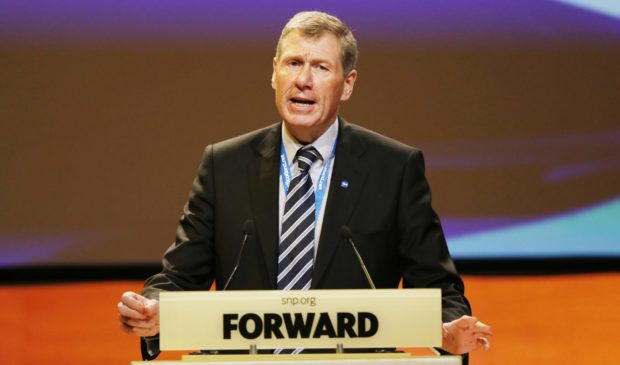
(377, 143)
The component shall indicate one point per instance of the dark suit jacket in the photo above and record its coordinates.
(387, 205)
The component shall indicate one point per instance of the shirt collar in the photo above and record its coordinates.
(324, 144)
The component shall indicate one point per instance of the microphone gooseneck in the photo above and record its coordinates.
(248, 226)
(345, 231)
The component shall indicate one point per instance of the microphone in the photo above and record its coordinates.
(248, 227)
(348, 236)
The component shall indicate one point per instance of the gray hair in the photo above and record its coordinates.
(314, 24)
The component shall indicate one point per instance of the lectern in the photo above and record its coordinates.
(269, 323)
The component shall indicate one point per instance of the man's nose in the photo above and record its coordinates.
(304, 77)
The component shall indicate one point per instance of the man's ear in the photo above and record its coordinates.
(349, 82)
(273, 74)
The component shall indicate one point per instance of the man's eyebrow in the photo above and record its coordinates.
(291, 57)
(322, 60)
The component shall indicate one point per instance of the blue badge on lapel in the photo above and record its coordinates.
(344, 184)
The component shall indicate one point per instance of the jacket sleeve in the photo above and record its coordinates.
(188, 263)
(423, 252)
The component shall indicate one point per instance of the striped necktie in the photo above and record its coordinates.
(296, 249)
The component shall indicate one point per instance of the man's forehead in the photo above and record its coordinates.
(296, 42)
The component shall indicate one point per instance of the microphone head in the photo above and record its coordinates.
(248, 227)
(345, 232)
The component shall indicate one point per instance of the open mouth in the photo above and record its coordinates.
(302, 101)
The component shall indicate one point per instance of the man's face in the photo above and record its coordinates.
(309, 84)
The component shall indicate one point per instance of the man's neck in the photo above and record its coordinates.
(324, 144)
(304, 136)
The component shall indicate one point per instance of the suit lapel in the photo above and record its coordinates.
(348, 176)
(264, 193)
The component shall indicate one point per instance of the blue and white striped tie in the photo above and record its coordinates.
(296, 250)
(296, 256)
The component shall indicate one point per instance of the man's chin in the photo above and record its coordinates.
(301, 122)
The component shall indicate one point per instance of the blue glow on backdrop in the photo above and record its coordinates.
(607, 7)
(589, 232)
(562, 159)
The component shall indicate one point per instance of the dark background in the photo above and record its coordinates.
(105, 111)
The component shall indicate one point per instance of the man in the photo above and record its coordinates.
(346, 176)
